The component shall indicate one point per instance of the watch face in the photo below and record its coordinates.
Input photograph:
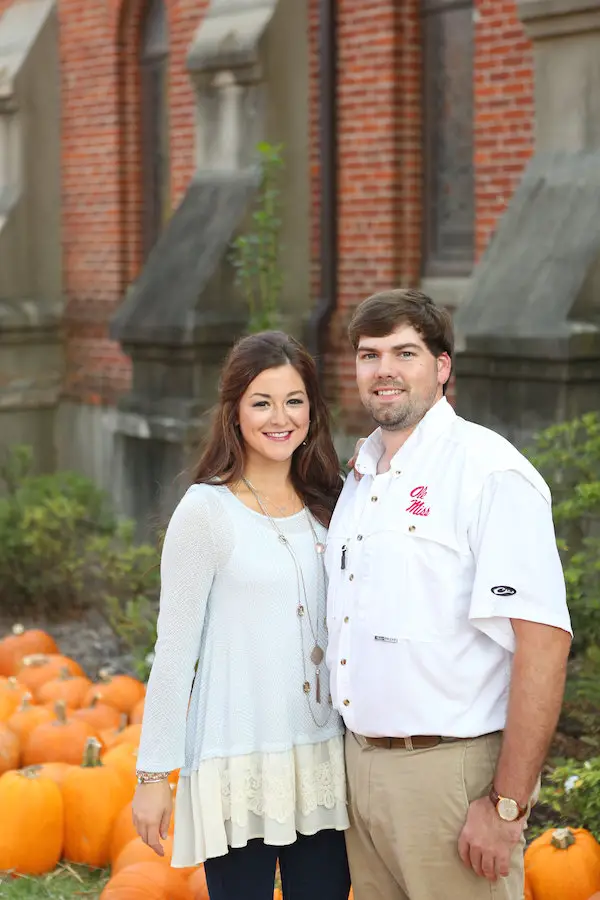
(507, 809)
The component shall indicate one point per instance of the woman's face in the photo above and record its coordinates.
(274, 414)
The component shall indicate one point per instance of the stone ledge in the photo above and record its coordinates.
(558, 18)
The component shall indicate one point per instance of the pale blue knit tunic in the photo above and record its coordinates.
(254, 763)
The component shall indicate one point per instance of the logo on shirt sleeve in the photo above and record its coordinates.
(503, 590)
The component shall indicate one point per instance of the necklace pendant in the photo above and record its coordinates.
(316, 657)
(283, 538)
(306, 687)
(300, 610)
(319, 547)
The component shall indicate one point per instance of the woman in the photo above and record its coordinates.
(243, 597)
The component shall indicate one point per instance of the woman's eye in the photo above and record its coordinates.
(296, 401)
(259, 403)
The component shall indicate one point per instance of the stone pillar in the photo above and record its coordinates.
(183, 313)
(31, 300)
(529, 337)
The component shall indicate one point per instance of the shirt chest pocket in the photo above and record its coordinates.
(335, 558)
(416, 582)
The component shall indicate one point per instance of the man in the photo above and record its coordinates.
(448, 626)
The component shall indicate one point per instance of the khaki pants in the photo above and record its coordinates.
(407, 809)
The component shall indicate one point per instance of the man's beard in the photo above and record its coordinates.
(406, 416)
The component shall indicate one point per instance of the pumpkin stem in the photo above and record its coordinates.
(65, 674)
(12, 682)
(60, 708)
(18, 629)
(30, 771)
(95, 701)
(25, 702)
(91, 753)
(105, 675)
(36, 659)
(562, 838)
(123, 722)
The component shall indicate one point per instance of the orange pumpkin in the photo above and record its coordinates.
(563, 862)
(27, 717)
(39, 668)
(121, 691)
(147, 881)
(23, 642)
(110, 735)
(130, 735)
(55, 771)
(12, 694)
(31, 833)
(124, 760)
(102, 716)
(10, 750)
(62, 740)
(136, 851)
(137, 713)
(93, 795)
(199, 888)
(67, 687)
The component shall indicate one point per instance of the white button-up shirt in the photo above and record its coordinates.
(427, 563)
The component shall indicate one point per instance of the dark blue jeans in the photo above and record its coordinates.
(314, 867)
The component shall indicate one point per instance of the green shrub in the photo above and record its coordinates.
(572, 791)
(256, 254)
(568, 456)
(62, 549)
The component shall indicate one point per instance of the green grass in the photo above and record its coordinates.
(67, 882)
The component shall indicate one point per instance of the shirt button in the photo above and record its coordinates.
(346, 702)
(412, 527)
(346, 619)
(342, 662)
(359, 537)
(397, 472)
(373, 499)
(351, 577)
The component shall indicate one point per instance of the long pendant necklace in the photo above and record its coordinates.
(317, 653)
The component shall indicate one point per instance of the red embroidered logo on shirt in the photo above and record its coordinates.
(417, 507)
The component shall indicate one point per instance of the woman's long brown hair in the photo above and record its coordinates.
(315, 471)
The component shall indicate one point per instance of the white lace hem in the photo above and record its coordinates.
(229, 801)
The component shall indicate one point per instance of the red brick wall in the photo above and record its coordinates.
(379, 159)
(380, 151)
(101, 173)
(504, 110)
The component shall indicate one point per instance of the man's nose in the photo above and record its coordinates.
(386, 368)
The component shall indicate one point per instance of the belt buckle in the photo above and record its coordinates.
(408, 743)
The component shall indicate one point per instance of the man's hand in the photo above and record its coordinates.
(486, 842)
(352, 462)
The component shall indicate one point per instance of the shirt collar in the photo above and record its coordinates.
(435, 421)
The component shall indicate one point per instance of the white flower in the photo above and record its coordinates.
(571, 782)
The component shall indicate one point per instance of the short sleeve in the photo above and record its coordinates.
(518, 573)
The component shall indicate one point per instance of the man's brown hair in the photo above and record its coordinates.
(381, 314)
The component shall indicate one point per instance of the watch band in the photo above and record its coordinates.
(495, 797)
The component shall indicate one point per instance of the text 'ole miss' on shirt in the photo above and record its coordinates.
(427, 564)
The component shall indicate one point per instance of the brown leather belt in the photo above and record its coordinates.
(416, 742)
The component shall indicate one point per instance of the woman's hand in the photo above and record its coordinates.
(152, 808)
(352, 462)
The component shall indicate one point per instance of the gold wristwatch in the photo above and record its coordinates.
(507, 808)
